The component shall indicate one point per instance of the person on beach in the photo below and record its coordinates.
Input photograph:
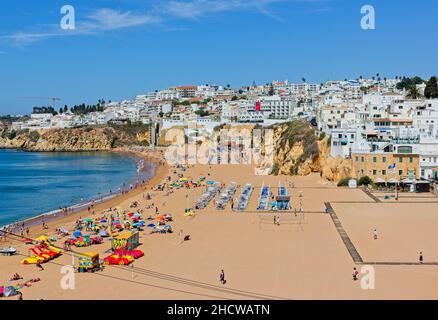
(375, 234)
(421, 258)
(222, 277)
(355, 274)
(38, 265)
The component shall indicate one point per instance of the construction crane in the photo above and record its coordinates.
(54, 99)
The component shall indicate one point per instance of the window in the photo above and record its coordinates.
(374, 159)
(405, 149)
(384, 159)
(400, 160)
(362, 159)
(357, 159)
(383, 172)
(400, 173)
(374, 172)
(411, 159)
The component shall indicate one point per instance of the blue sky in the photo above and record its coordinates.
(121, 48)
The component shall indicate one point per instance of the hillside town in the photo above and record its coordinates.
(387, 127)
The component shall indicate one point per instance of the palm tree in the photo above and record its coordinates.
(303, 79)
(413, 92)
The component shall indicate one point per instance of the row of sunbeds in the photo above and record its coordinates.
(207, 196)
(226, 196)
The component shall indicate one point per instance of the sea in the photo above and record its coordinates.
(33, 183)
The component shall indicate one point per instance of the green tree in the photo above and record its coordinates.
(413, 92)
(431, 90)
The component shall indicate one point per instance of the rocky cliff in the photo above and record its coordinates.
(299, 151)
(75, 139)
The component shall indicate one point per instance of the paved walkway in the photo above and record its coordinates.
(344, 236)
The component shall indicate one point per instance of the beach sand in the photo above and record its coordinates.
(296, 260)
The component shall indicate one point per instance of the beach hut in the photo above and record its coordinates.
(128, 240)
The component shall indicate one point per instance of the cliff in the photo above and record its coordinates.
(300, 152)
(75, 139)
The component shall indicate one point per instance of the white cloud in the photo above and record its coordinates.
(194, 9)
(109, 19)
(98, 21)
(105, 19)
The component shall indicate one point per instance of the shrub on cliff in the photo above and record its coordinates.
(299, 132)
(9, 134)
(34, 136)
(131, 129)
(365, 181)
(344, 182)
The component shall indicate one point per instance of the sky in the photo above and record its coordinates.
(121, 48)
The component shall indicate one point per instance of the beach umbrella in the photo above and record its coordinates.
(210, 182)
(151, 225)
(103, 233)
(88, 220)
(9, 291)
(77, 233)
(160, 218)
(137, 214)
(103, 221)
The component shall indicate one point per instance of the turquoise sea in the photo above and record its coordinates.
(34, 183)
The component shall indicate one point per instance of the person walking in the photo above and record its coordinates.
(38, 265)
(421, 258)
(222, 277)
(375, 234)
(355, 274)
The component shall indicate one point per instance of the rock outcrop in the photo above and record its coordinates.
(75, 139)
(300, 152)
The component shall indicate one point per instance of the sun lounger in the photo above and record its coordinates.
(244, 197)
(226, 196)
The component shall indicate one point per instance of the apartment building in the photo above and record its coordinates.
(387, 166)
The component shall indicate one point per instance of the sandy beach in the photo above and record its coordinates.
(298, 259)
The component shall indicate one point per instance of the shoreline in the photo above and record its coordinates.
(59, 216)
